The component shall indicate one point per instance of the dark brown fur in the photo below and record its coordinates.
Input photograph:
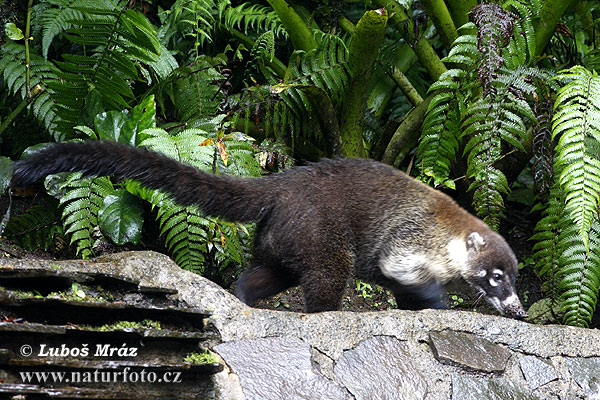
(316, 225)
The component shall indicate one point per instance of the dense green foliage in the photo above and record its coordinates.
(229, 86)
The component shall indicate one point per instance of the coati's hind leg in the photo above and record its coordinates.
(259, 282)
(419, 297)
(323, 292)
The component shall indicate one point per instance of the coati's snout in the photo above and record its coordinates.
(493, 271)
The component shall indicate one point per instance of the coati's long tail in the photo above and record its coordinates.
(236, 199)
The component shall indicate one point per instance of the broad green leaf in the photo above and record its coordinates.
(121, 217)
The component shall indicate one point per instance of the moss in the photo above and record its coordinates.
(206, 357)
(120, 325)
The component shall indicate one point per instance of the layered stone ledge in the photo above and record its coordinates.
(428, 354)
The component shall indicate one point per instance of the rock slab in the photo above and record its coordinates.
(381, 368)
(469, 351)
(476, 388)
(277, 368)
(586, 372)
(537, 372)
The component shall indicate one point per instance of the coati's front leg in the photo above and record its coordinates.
(430, 295)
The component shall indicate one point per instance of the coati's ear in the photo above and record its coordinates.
(475, 241)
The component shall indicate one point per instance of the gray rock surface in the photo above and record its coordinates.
(277, 368)
(351, 355)
(469, 351)
(537, 372)
(381, 368)
(476, 388)
(586, 372)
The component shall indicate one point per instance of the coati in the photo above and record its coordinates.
(319, 224)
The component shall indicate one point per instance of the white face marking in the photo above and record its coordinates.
(498, 271)
(510, 300)
(482, 273)
(493, 282)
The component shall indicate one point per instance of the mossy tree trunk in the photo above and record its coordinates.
(366, 40)
(300, 35)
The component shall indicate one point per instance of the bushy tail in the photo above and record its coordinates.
(236, 199)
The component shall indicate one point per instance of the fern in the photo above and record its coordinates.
(577, 124)
(441, 133)
(37, 228)
(542, 148)
(115, 41)
(548, 248)
(522, 47)
(488, 123)
(487, 111)
(264, 47)
(191, 20)
(194, 94)
(81, 201)
(56, 21)
(324, 67)
(13, 69)
(252, 18)
(580, 272)
(189, 235)
(494, 32)
(567, 254)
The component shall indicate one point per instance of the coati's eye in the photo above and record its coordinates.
(497, 277)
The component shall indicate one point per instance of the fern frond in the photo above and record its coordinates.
(549, 248)
(13, 70)
(195, 95)
(184, 228)
(264, 47)
(190, 235)
(37, 228)
(440, 137)
(488, 122)
(253, 18)
(441, 134)
(522, 48)
(494, 31)
(56, 21)
(324, 67)
(543, 148)
(580, 272)
(81, 202)
(464, 49)
(115, 42)
(577, 126)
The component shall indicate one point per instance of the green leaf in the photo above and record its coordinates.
(108, 126)
(13, 32)
(143, 116)
(121, 217)
(81, 200)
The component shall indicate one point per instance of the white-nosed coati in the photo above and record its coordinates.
(318, 224)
